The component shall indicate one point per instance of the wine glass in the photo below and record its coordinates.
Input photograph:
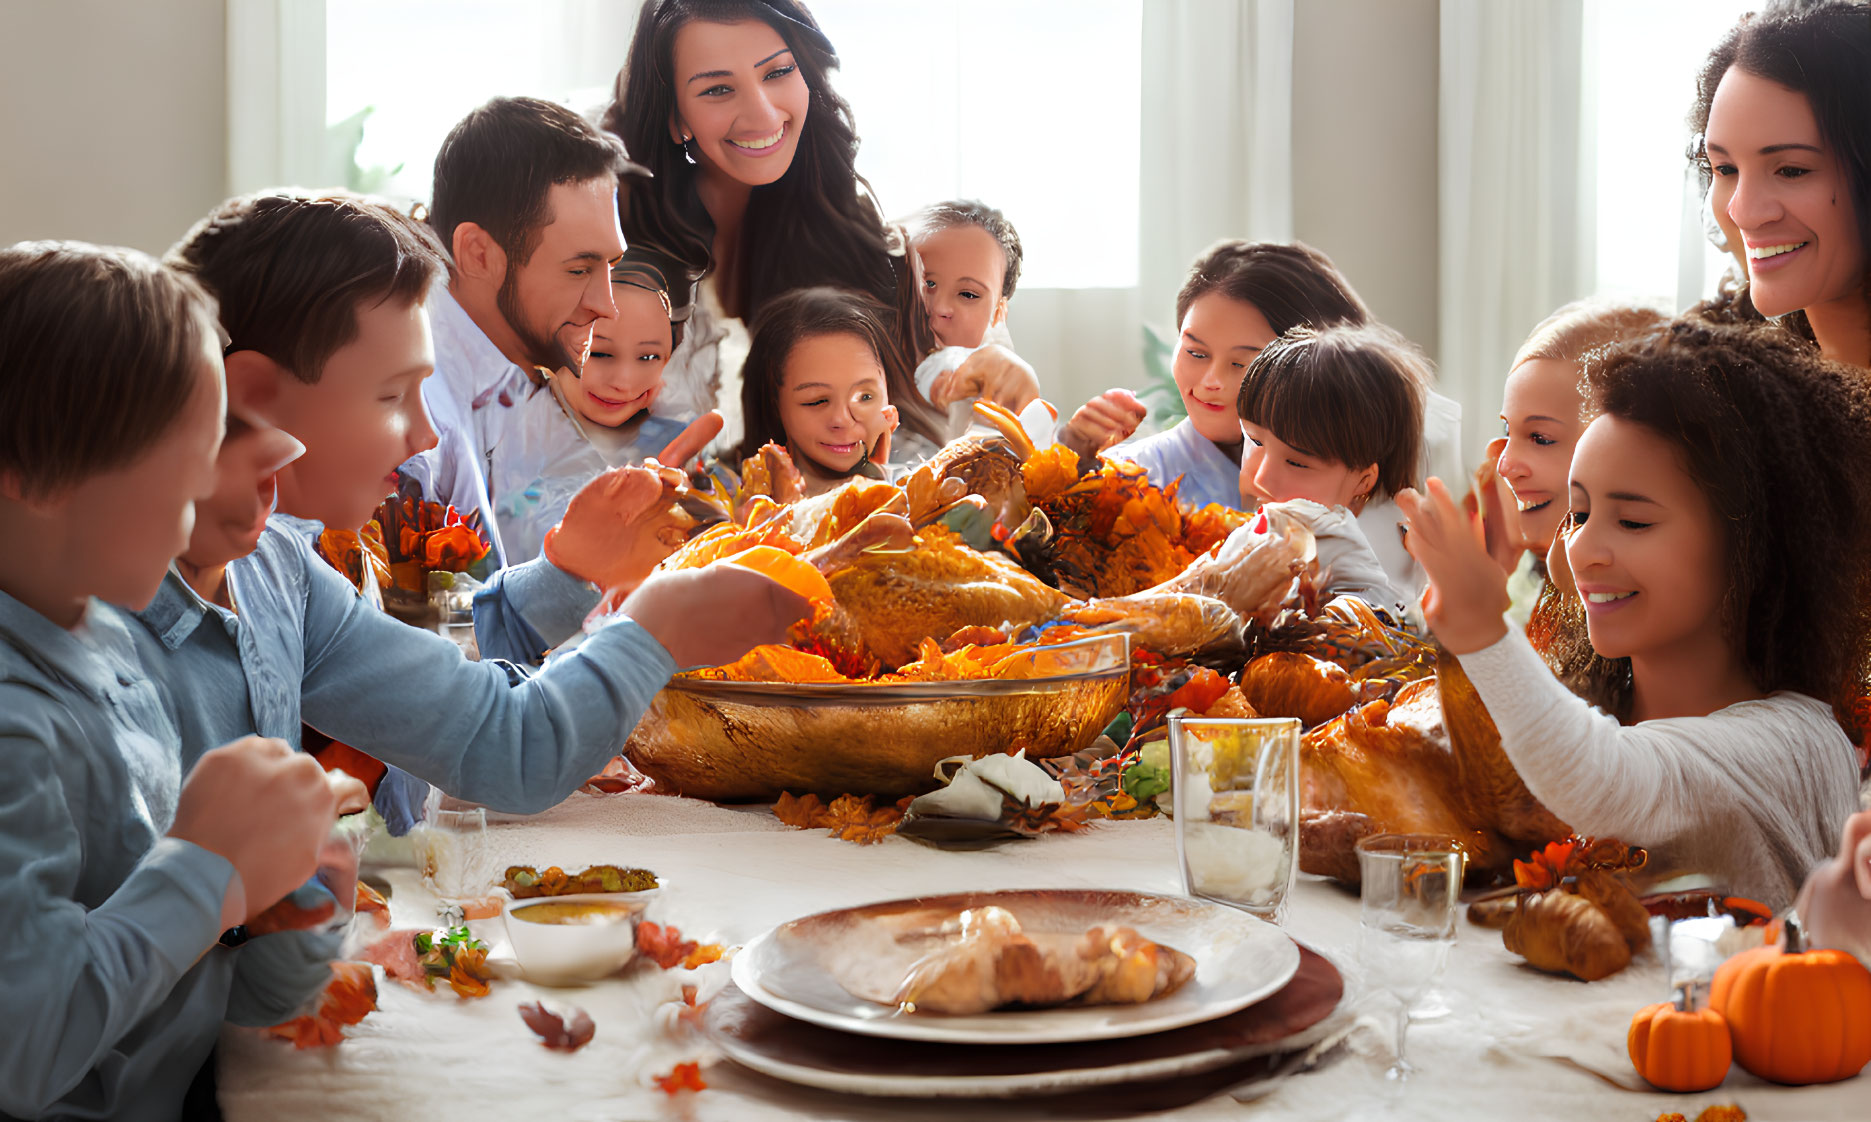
(1410, 887)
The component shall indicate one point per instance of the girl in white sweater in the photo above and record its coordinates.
(1719, 540)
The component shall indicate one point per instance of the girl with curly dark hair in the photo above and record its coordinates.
(1783, 124)
(1722, 557)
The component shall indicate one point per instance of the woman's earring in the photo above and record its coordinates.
(688, 148)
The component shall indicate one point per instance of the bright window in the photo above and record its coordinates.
(407, 70)
(1642, 58)
(1029, 105)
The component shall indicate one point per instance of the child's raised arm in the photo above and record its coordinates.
(1467, 594)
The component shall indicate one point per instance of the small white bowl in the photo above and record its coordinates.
(568, 953)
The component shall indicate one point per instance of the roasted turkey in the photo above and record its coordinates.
(1430, 762)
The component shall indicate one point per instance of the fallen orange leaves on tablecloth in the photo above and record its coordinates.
(1728, 1113)
(683, 1077)
(348, 998)
(850, 818)
(663, 944)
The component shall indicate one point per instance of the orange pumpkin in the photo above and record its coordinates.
(1679, 1045)
(1797, 1016)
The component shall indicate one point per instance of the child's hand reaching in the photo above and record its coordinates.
(689, 443)
(713, 615)
(1835, 904)
(1103, 421)
(615, 530)
(1494, 500)
(880, 447)
(1467, 592)
(994, 373)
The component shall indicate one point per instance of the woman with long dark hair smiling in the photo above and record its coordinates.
(730, 104)
(1783, 108)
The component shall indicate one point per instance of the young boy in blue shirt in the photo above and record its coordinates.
(117, 874)
(283, 632)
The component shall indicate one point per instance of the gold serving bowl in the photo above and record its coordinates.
(751, 741)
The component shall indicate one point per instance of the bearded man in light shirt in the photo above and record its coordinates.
(525, 202)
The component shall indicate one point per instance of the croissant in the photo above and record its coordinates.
(987, 961)
(1566, 934)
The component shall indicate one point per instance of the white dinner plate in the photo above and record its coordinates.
(801, 968)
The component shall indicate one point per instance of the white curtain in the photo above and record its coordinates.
(1515, 232)
(276, 96)
(1216, 162)
(1217, 134)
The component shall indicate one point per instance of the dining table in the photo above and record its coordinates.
(1497, 1040)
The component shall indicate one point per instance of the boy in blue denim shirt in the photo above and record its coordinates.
(276, 636)
(117, 875)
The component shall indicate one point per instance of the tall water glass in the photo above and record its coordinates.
(1236, 785)
(1411, 885)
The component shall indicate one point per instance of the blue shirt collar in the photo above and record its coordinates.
(75, 657)
(178, 610)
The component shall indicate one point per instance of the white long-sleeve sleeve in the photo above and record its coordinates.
(1754, 794)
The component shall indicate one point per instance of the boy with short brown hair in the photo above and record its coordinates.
(276, 637)
(117, 874)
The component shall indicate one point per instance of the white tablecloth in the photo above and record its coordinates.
(732, 873)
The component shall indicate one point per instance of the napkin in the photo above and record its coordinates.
(971, 809)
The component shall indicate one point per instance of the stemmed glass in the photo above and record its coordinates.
(1410, 887)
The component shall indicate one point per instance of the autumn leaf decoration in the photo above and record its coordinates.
(456, 957)
(1564, 860)
(1719, 1113)
(565, 1030)
(1032, 820)
(850, 818)
(348, 998)
(683, 1077)
(664, 945)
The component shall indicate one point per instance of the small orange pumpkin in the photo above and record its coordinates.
(1680, 1045)
(1797, 1016)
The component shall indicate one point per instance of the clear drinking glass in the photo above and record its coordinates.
(451, 597)
(1411, 885)
(453, 855)
(1236, 786)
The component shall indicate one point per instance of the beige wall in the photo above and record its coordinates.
(116, 121)
(1364, 150)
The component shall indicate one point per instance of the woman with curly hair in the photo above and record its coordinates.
(1783, 124)
(1723, 567)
